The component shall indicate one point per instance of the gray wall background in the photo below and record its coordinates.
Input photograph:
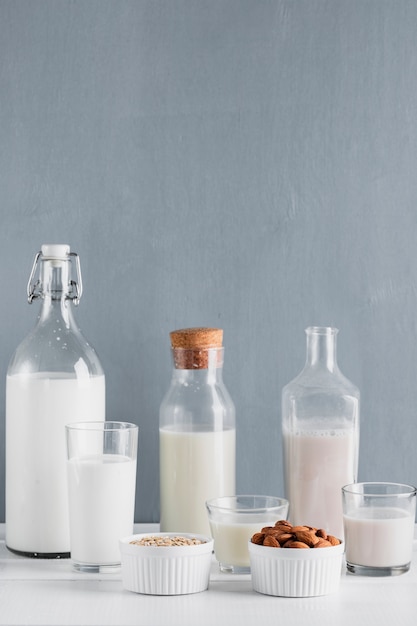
(244, 164)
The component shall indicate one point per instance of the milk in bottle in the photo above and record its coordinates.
(197, 434)
(320, 430)
(54, 378)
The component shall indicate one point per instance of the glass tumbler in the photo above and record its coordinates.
(101, 472)
(234, 519)
(379, 521)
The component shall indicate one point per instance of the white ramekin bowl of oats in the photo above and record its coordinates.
(166, 563)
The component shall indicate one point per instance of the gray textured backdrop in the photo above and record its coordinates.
(246, 164)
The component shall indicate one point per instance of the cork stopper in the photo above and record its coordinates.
(190, 338)
(191, 347)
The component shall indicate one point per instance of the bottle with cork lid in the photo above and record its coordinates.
(197, 432)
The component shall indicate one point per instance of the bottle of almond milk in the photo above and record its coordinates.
(197, 435)
(320, 429)
(54, 378)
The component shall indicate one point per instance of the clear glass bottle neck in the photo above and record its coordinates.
(55, 279)
(55, 289)
(321, 348)
(204, 365)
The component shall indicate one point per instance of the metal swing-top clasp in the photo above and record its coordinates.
(55, 252)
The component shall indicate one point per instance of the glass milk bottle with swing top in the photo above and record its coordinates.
(320, 429)
(197, 434)
(54, 378)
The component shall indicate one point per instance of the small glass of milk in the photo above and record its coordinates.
(234, 519)
(101, 473)
(378, 521)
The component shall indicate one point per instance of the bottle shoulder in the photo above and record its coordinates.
(191, 392)
(319, 403)
(320, 380)
(55, 349)
(196, 402)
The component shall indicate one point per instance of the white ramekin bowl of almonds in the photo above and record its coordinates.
(295, 561)
(166, 563)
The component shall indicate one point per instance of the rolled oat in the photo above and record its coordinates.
(167, 541)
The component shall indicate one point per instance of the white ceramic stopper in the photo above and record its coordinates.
(55, 250)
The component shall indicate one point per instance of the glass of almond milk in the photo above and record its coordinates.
(234, 519)
(378, 523)
(101, 473)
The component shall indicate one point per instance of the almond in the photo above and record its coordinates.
(323, 543)
(271, 533)
(271, 542)
(321, 533)
(296, 544)
(333, 540)
(283, 537)
(306, 536)
(258, 538)
(282, 528)
(283, 522)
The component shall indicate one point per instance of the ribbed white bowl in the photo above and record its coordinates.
(172, 570)
(294, 572)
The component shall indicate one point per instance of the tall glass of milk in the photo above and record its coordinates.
(197, 435)
(320, 429)
(54, 377)
(101, 470)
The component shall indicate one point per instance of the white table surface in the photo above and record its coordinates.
(36, 591)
